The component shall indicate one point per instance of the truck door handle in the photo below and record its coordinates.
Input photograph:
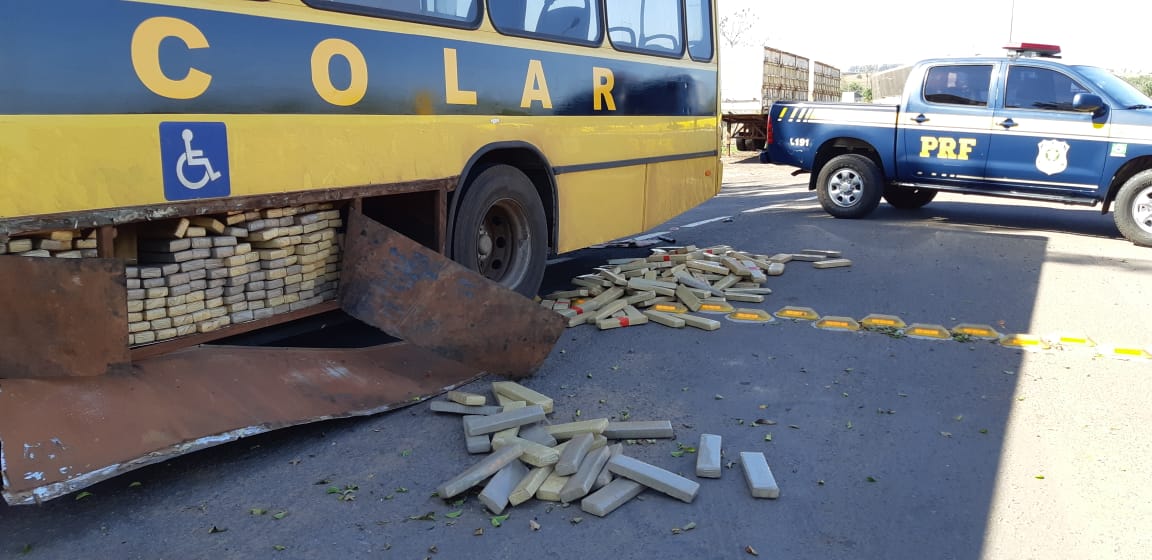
(1007, 123)
(920, 118)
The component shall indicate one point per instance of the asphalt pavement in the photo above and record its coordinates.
(884, 446)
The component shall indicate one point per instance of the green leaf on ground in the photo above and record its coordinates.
(768, 437)
(279, 515)
(677, 453)
(454, 514)
(406, 453)
(498, 520)
(257, 511)
(82, 495)
(871, 479)
(136, 484)
(430, 516)
(279, 547)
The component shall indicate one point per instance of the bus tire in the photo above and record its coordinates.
(1133, 214)
(501, 231)
(742, 144)
(849, 186)
(908, 198)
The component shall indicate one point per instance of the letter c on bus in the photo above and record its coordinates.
(322, 78)
(146, 57)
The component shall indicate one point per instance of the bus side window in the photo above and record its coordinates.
(564, 22)
(570, 21)
(652, 26)
(699, 19)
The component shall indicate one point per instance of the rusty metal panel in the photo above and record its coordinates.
(62, 317)
(60, 435)
(414, 293)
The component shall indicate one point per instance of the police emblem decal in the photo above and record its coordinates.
(1052, 157)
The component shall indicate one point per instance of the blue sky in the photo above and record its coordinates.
(844, 32)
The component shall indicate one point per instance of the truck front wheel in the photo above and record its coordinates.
(1134, 209)
(849, 186)
(908, 198)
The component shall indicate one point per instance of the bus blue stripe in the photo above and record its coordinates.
(74, 57)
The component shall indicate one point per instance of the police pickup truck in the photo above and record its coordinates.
(1022, 126)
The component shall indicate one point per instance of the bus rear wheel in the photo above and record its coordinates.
(501, 231)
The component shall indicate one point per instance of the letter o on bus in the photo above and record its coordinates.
(322, 79)
(146, 57)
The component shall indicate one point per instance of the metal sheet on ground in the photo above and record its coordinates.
(189, 400)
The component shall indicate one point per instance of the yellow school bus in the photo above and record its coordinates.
(556, 124)
(174, 172)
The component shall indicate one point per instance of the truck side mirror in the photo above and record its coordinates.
(1088, 103)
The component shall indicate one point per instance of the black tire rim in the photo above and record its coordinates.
(502, 240)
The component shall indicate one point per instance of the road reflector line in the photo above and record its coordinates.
(1071, 340)
(799, 313)
(982, 332)
(832, 323)
(1024, 342)
(745, 315)
(925, 331)
(1125, 353)
(879, 321)
(669, 308)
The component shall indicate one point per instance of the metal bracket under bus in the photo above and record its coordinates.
(62, 433)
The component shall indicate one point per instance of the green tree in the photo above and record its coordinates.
(1142, 83)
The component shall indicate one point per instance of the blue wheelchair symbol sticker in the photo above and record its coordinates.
(194, 156)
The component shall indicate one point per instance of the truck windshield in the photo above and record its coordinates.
(1123, 92)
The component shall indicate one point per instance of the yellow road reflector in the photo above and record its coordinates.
(1122, 353)
(669, 308)
(1024, 341)
(831, 323)
(1071, 340)
(802, 313)
(982, 332)
(878, 321)
(927, 332)
(750, 316)
(716, 307)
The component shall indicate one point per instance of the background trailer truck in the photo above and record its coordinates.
(753, 78)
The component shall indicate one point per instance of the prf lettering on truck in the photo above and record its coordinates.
(946, 147)
(194, 82)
